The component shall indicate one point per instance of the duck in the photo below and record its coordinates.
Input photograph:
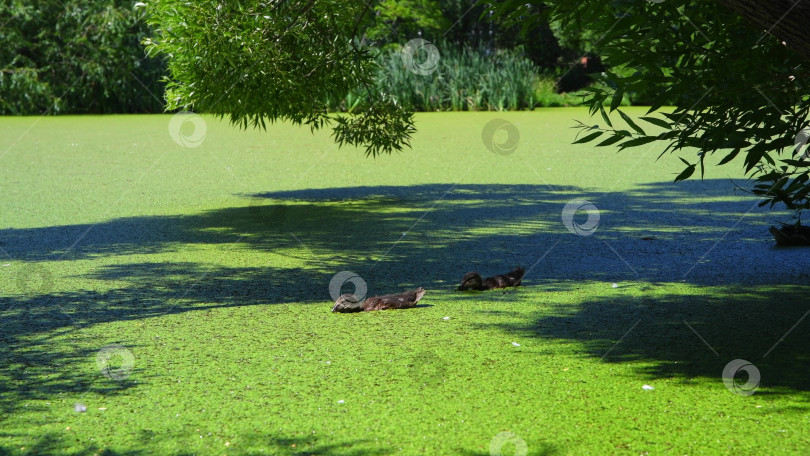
(473, 280)
(405, 300)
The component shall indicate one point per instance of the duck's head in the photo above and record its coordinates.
(471, 281)
(348, 303)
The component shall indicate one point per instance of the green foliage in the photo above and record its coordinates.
(457, 23)
(465, 79)
(468, 79)
(409, 18)
(75, 56)
(256, 62)
(546, 95)
(383, 127)
(469, 29)
(736, 90)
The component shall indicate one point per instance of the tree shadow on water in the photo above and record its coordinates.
(394, 238)
(693, 334)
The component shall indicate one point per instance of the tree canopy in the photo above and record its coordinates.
(256, 61)
(737, 89)
(75, 56)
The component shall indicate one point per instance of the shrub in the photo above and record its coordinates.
(465, 79)
(76, 56)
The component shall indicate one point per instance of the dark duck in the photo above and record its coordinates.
(473, 280)
(350, 303)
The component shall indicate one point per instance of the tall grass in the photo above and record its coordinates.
(465, 80)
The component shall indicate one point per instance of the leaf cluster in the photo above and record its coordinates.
(259, 61)
(75, 56)
(737, 90)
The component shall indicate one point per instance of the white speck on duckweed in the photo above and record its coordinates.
(647, 387)
(516, 344)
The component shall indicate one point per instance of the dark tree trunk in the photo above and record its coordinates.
(786, 19)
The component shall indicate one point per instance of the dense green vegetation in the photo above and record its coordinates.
(702, 57)
(465, 79)
(86, 56)
(211, 266)
(737, 89)
(75, 56)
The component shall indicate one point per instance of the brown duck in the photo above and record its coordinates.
(350, 303)
(473, 280)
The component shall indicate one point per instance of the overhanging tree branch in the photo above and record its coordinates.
(788, 20)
